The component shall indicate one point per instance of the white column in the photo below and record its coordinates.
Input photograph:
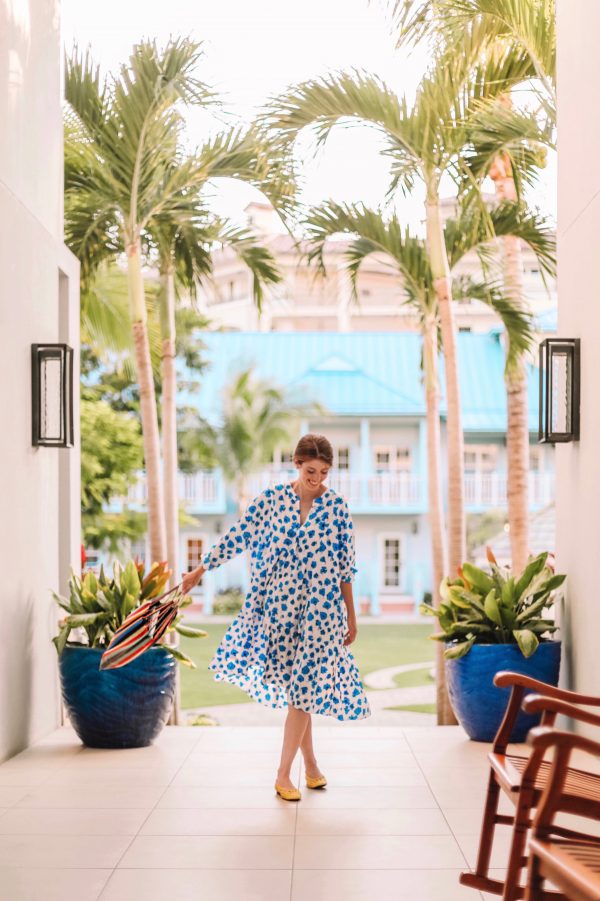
(578, 473)
(366, 467)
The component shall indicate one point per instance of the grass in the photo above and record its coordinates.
(415, 708)
(413, 678)
(376, 647)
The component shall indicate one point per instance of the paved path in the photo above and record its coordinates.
(384, 678)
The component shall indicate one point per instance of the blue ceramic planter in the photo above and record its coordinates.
(117, 708)
(478, 704)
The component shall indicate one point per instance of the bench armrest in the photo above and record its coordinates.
(543, 737)
(542, 704)
(507, 679)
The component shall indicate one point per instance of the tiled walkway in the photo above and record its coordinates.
(195, 816)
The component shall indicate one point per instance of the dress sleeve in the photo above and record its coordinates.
(346, 548)
(241, 536)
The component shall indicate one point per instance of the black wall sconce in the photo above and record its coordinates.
(560, 387)
(52, 395)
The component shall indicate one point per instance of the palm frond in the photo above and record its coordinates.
(469, 231)
(496, 129)
(517, 321)
(373, 234)
(528, 24)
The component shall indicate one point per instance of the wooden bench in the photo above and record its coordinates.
(571, 864)
(523, 779)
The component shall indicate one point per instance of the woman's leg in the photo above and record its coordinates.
(295, 726)
(308, 752)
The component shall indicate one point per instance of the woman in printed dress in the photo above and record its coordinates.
(288, 646)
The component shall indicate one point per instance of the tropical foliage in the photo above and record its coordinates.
(258, 416)
(496, 607)
(111, 457)
(132, 193)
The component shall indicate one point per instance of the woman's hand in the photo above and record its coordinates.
(189, 580)
(352, 632)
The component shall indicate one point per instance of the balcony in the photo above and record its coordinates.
(200, 492)
(401, 492)
(389, 493)
(484, 490)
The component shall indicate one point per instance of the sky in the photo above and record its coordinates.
(254, 50)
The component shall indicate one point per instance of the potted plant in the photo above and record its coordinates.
(492, 622)
(125, 707)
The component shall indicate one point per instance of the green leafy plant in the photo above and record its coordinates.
(228, 601)
(98, 605)
(496, 608)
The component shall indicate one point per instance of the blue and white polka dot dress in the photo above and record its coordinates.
(286, 643)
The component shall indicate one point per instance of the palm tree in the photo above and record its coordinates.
(425, 141)
(258, 417)
(183, 245)
(374, 234)
(507, 28)
(121, 136)
(184, 260)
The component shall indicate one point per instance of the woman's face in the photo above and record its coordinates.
(312, 474)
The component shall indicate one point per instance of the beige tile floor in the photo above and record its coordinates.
(195, 816)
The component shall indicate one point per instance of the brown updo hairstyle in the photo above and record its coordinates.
(313, 447)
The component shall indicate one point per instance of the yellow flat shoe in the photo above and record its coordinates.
(288, 794)
(316, 781)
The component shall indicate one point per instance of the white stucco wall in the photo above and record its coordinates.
(39, 488)
(578, 464)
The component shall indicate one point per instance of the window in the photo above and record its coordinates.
(343, 458)
(403, 459)
(465, 329)
(480, 458)
(382, 459)
(194, 554)
(391, 563)
(287, 458)
(231, 290)
(392, 459)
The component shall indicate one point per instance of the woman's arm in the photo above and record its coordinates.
(347, 564)
(241, 536)
(352, 632)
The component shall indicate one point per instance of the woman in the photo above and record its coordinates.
(288, 644)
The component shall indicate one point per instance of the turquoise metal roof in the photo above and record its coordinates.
(357, 373)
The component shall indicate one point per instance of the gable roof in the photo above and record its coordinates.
(358, 373)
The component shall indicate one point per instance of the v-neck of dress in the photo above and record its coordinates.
(312, 506)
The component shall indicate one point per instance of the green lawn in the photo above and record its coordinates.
(376, 647)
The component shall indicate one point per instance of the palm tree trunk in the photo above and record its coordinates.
(445, 714)
(517, 425)
(156, 518)
(169, 446)
(443, 288)
(169, 420)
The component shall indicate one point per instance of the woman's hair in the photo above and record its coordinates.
(313, 447)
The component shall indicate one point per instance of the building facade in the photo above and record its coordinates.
(369, 385)
(304, 301)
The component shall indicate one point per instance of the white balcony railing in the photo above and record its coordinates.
(381, 491)
(201, 489)
(488, 489)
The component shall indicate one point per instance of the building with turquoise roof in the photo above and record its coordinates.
(370, 385)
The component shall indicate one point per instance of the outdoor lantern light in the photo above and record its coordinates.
(559, 390)
(52, 395)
